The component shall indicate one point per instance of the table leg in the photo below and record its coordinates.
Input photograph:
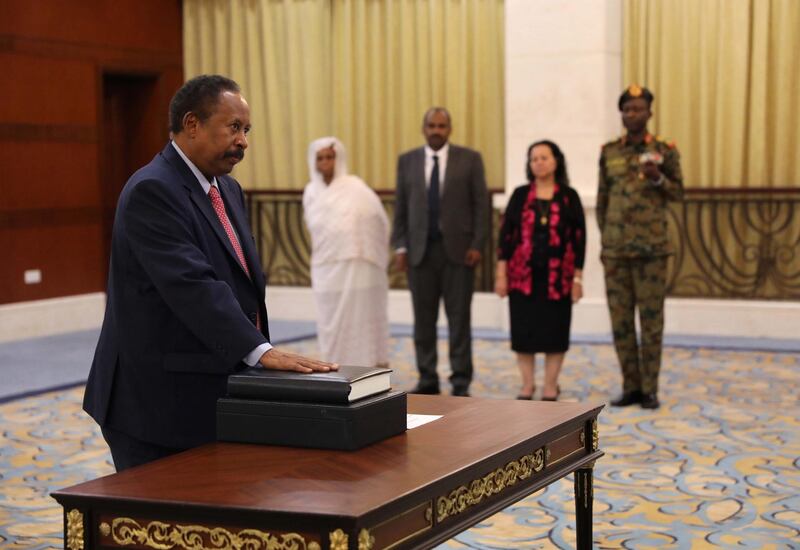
(583, 508)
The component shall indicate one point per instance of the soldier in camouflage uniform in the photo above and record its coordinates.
(639, 173)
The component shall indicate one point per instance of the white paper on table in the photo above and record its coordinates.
(416, 420)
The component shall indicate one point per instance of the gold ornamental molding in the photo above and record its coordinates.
(595, 435)
(466, 496)
(339, 540)
(583, 486)
(537, 463)
(163, 536)
(74, 530)
(365, 540)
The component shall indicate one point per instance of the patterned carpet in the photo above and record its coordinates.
(718, 466)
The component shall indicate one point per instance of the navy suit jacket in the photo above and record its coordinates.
(180, 311)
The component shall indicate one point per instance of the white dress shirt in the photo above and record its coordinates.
(442, 154)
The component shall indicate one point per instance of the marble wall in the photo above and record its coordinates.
(563, 78)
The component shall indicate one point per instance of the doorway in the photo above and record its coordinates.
(132, 133)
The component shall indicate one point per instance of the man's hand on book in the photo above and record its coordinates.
(284, 360)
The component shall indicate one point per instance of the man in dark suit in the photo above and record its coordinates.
(185, 299)
(440, 227)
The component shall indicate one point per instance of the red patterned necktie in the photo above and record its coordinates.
(219, 208)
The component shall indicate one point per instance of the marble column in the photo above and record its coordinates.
(563, 77)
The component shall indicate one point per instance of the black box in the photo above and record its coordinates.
(314, 425)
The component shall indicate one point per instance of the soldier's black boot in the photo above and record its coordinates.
(650, 401)
(627, 398)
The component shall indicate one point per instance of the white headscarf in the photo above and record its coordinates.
(345, 218)
(339, 168)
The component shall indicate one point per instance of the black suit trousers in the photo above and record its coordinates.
(127, 451)
(435, 278)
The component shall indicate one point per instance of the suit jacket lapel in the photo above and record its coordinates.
(419, 178)
(200, 199)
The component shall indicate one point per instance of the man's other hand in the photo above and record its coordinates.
(401, 261)
(473, 257)
(283, 360)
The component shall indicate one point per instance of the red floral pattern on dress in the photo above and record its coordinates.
(552, 279)
(568, 270)
(555, 217)
(519, 273)
(560, 271)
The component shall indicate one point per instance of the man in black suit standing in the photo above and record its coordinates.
(185, 299)
(440, 226)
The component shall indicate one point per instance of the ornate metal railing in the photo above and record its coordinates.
(285, 246)
(281, 237)
(736, 243)
(730, 243)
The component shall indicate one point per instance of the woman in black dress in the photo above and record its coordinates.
(541, 252)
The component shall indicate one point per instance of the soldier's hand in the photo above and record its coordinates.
(284, 360)
(650, 171)
(401, 261)
(473, 257)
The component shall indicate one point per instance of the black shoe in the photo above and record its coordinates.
(425, 390)
(460, 392)
(555, 397)
(627, 398)
(650, 401)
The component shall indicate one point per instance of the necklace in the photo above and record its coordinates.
(542, 209)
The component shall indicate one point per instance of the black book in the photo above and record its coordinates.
(314, 425)
(346, 385)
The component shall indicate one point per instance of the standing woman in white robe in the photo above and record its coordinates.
(349, 256)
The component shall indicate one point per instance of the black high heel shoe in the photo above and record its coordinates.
(524, 397)
(555, 397)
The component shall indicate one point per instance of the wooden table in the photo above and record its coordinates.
(410, 491)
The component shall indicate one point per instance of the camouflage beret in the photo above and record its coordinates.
(633, 91)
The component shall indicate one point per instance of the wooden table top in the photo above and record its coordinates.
(343, 483)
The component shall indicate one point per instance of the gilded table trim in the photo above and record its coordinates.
(162, 536)
(476, 491)
(74, 538)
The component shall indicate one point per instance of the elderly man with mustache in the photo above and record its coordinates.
(185, 288)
